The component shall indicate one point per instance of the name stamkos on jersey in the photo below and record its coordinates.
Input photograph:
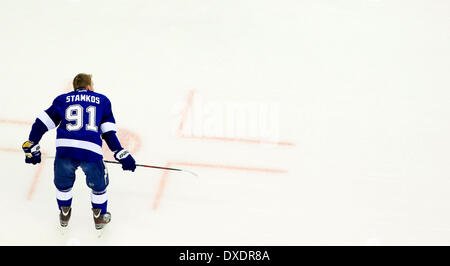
(83, 97)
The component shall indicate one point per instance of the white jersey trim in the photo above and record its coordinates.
(81, 144)
(108, 126)
(48, 122)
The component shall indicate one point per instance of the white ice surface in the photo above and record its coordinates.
(363, 91)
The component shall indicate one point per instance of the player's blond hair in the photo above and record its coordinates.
(82, 80)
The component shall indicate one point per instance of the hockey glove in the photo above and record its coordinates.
(125, 158)
(32, 152)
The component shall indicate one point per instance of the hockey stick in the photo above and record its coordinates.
(144, 165)
(157, 167)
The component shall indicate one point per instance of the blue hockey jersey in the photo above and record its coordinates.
(81, 118)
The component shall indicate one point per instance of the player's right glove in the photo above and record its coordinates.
(32, 152)
(125, 158)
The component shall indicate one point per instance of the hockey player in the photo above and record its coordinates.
(83, 117)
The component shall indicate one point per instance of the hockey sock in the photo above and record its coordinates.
(99, 200)
(64, 197)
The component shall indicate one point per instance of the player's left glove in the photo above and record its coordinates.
(32, 152)
(125, 158)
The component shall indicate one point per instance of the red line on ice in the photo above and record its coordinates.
(253, 141)
(165, 175)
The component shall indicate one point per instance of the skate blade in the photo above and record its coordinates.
(63, 230)
(100, 232)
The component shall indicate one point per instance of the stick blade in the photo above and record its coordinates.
(190, 172)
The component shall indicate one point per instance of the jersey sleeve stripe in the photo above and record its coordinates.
(108, 126)
(86, 145)
(45, 118)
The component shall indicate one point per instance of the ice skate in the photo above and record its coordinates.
(64, 216)
(100, 220)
